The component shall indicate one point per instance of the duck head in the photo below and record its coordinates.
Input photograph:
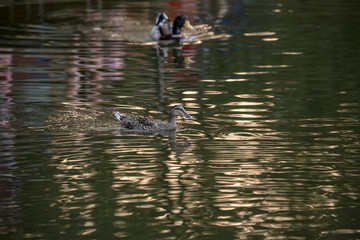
(179, 110)
(181, 21)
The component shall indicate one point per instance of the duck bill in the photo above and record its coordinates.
(188, 26)
(187, 115)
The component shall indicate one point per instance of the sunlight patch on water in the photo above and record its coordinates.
(272, 66)
(261, 34)
(213, 92)
(252, 73)
(253, 96)
(246, 116)
(208, 80)
(236, 80)
(249, 110)
(291, 53)
(270, 104)
(270, 39)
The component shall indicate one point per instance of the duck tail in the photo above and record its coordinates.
(119, 115)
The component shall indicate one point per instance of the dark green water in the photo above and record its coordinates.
(272, 153)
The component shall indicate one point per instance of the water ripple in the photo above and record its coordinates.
(272, 151)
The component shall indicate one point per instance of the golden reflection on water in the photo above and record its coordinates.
(249, 104)
(252, 34)
(236, 80)
(291, 53)
(270, 39)
(272, 66)
(252, 73)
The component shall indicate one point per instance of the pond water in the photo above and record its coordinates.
(273, 150)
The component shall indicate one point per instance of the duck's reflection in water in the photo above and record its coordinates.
(178, 147)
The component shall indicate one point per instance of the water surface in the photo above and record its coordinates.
(272, 153)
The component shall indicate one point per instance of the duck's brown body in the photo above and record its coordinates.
(150, 124)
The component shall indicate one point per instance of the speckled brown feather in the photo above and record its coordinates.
(149, 124)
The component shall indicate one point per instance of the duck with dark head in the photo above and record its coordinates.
(163, 30)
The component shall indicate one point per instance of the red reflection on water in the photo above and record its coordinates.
(8, 184)
(176, 8)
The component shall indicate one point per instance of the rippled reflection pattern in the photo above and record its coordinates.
(272, 152)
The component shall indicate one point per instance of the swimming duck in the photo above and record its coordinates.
(149, 124)
(163, 30)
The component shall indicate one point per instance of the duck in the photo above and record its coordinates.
(163, 30)
(130, 122)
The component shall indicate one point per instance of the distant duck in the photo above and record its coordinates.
(163, 31)
(149, 124)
